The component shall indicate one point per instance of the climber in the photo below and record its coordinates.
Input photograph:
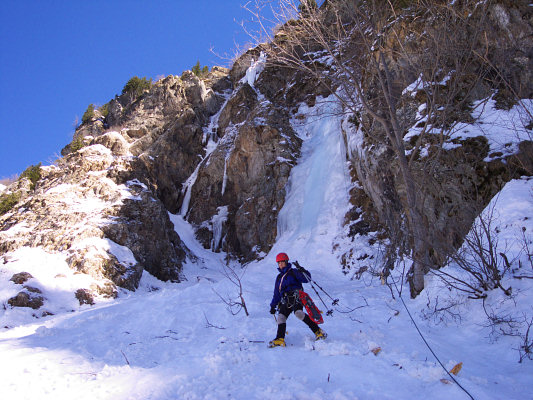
(286, 299)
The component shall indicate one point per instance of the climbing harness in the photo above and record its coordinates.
(291, 299)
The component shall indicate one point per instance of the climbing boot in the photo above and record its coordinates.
(277, 342)
(320, 335)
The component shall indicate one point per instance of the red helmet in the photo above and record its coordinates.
(282, 257)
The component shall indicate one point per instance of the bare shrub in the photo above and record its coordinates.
(526, 348)
(519, 326)
(527, 249)
(482, 262)
(235, 303)
(441, 310)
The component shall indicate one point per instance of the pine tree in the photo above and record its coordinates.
(200, 71)
(136, 86)
(196, 69)
(88, 114)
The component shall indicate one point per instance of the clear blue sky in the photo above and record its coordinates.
(58, 56)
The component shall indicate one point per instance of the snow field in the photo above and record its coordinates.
(158, 344)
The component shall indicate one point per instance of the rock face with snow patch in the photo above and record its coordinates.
(164, 127)
(240, 186)
(247, 173)
(92, 208)
(458, 173)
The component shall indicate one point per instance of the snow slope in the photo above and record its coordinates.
(182, 341)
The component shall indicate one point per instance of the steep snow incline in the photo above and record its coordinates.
(182, 341)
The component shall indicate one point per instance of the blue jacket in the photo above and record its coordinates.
(288, 279)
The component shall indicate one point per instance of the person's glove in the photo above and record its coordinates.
(300, 268)
(272, 310)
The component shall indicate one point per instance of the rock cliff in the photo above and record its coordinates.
(443, 91)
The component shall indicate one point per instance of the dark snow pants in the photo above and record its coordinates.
(285, 310)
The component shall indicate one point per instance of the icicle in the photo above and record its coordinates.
(217, 221)
(224, 179)
(187, 188)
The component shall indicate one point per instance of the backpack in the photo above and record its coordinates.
(312, 310)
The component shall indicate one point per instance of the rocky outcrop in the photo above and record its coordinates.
(166, 130)
(246, 174)
(508, 45)
(28, 298)
(21, 277)
(92, 208)
(164, 127)
(454, 181)
(84, 296)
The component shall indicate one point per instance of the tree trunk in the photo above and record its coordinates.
(417, 229)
